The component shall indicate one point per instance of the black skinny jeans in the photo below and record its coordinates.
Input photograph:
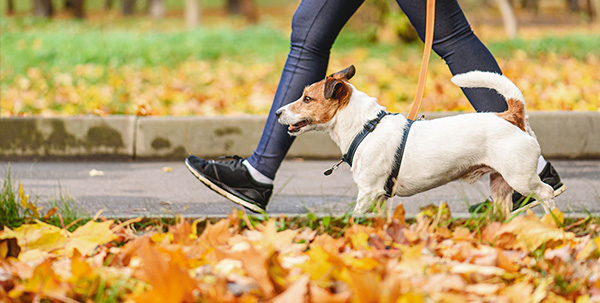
(315, 26)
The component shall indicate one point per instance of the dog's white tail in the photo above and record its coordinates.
(490, 80)
(514, 98)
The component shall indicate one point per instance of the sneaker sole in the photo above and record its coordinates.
(216, 188)
(557, 192)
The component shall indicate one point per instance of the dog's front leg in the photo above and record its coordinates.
(367, 199)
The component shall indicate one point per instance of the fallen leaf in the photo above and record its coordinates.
(167, 273)
(296, 293)
(530, 232)
(95, 173)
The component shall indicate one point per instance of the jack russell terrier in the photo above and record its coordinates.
(434, 152)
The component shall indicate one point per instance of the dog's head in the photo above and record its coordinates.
(318, 104)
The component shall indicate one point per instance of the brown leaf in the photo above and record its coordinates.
(9, 248)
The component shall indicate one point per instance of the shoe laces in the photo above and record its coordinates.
(234, 157)
(236, 161)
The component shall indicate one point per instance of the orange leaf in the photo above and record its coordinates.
(365, 286)
(399, 214)
(167, 273)
(255, 265)
(318, 294)
(296, 293)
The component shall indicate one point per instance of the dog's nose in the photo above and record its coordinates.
(278, 112)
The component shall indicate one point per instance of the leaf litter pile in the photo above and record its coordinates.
(432, 259)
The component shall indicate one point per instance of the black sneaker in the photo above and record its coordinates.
(520, 202)
(231, 180)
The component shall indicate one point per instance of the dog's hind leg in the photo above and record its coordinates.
(541, 191)
(531, 185)
(501, 193)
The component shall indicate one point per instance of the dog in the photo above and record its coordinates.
(438, 151)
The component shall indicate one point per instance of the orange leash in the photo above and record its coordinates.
(430, 21)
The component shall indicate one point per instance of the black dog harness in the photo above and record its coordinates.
(368, 128)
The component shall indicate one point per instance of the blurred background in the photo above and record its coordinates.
(224, 57)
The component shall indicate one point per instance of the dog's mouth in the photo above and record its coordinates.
(296, 127)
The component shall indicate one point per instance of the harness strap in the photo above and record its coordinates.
(390, 185)
(368, 128)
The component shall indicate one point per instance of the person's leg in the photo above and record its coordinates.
(315, 26)
(455, 42)
(248, 183)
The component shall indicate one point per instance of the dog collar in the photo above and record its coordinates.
(368, 128)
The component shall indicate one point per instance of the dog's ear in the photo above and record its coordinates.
(346, 73)
(334, 88)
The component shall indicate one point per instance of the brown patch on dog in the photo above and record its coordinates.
(322, 100)
(515, 113)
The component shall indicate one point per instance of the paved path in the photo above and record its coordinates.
(129, 189)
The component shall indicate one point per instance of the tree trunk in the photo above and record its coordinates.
(77, 6)
(108, 4)
(508, 17)
(192, 13)
(590, 10)
(43, 8)
(157, 8)
(573, 5)
(10, 7)
(249, 10)
(534, 5)
(243, 7)
(128, 7)
(234, 7)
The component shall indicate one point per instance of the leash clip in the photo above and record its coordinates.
(333, 168)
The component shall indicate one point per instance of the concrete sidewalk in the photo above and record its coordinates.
(131, 189)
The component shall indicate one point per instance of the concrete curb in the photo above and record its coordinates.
(68, 137)
(574, 135)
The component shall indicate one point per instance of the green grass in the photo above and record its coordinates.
(577, 46)
(13, 214)
(78, 45)
(63, 44)
(98, 5)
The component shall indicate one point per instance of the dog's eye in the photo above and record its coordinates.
(307, 99)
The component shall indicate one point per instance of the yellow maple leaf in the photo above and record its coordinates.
(38, 235)
(89, 236)
(318, 267)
